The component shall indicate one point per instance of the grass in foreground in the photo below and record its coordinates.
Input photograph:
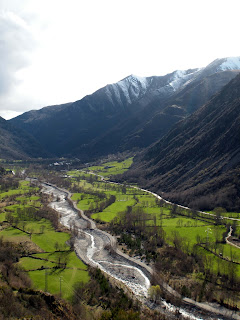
(55, 268)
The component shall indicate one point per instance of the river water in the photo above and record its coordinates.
(93, 247)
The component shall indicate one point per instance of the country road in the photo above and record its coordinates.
(93, 247)
(159, 197)
(229, 236)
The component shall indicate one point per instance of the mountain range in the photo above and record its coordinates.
(16, 143)
(197, 163)
(184, 128)
(128, 115)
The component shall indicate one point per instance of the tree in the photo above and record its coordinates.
(179, 223)
(155, 293)
(177, 240)
(24, 223)
(56, 246)
(42, 228)
(124, 189)
(9, 217)
(173, 210)
(218, 213)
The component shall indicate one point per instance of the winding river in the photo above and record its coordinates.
(95, 248)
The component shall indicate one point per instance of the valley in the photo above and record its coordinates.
(191, 232)
(126, 116)
(163, 225)
(126, 204)
(151, 229)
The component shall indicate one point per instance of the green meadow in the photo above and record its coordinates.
(75, 271)
(112, 211)
(57, 264)
(112, 168)
(24, 187)
(190, 229)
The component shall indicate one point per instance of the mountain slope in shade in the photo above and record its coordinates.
(198, 162)
(67, 129)
(17, 144)
(132, 113)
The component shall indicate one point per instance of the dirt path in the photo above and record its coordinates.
(229, 236)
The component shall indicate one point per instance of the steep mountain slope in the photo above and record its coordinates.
(17, 144)
(161, 113)
(198, 162)
(132, 113)
(66, 128)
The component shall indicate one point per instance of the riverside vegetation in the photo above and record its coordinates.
(186, 248)
(41, 277)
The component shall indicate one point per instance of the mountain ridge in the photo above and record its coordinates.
(120, 117)
(197, 154)
(17, 144)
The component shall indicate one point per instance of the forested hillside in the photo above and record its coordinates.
(198, 162)
(15, 143)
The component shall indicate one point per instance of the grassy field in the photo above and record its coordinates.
(57, 267)
(195, 233)
(235, 215)
(189, 229)
(111, 168)
(75, 271)
(14, 235)
(24, 188)
(106, 169)
(84, 200)
(112, 211)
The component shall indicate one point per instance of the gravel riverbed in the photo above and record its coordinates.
(94, 247)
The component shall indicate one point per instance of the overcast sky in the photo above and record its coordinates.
(57, 51)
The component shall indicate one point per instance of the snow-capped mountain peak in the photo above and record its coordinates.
(223, 64)
(231, 63)
(135, 81)
(128, 89)
(132, 88)
(182, 77)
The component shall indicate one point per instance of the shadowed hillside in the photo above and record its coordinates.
(198, 162)
(128, 115)
(18, 144)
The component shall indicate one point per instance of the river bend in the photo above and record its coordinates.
(93, 246)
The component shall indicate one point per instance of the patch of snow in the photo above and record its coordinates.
(182, 77)
(142, 80)
(177, 79)
(124, 87)
(132, 87)
(116, 93)
(109, 94)
(231, 63)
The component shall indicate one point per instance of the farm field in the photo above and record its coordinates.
(21, 190)
(235, 215)
(199, 230)
(105, 170)
(112, 211)
(49, 269)
(111, 168)
(47, 258)
(147, 228)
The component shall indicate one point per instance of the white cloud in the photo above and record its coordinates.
(15, 42)
(80, 46)
(9, 114)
